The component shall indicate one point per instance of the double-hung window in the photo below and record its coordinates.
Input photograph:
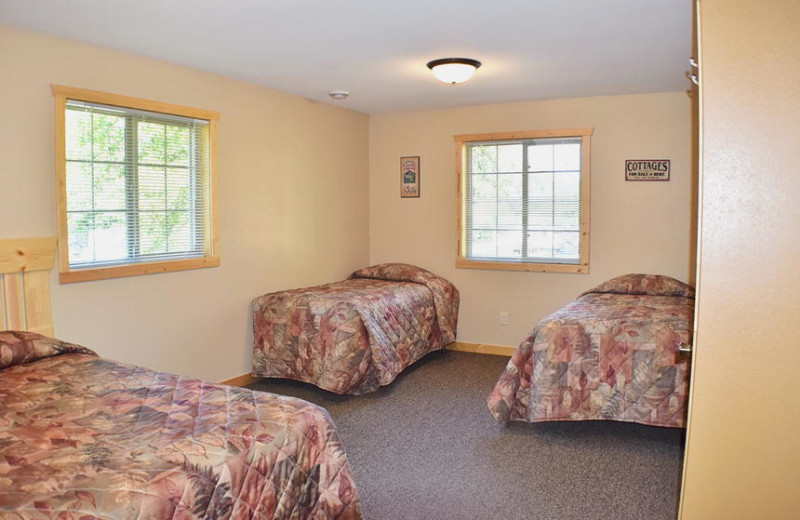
(135, 185)
(523, 200)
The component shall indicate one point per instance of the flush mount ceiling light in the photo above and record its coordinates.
(453, 70)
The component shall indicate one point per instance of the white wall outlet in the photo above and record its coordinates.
(503, 318)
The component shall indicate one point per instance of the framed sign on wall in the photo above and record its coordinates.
(647, 169)
(409, 177)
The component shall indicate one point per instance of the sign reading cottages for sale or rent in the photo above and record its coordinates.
(647, 170)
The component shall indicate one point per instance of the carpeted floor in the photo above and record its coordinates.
(426, 447)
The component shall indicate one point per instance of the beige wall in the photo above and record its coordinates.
(743, 456)
(635, 226)
(292, 198)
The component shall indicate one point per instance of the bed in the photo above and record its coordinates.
(612, 354)
(356, 335)
(86, 437)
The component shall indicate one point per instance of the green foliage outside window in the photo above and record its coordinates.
(132, 189)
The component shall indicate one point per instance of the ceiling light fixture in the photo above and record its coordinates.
(453, 70)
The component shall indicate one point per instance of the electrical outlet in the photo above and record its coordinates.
(503, 318)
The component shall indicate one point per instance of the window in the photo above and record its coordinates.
(135, 186)
(523, 200)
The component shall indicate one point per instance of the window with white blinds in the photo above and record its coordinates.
(137, 188)
(524, 201)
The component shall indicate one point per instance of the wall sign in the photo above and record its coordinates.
(409, 177)
(647, 170)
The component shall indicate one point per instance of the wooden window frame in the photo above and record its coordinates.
(462, 262)
(211, 254)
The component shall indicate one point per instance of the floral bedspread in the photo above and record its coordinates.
(612, 354)
(84, 437)
(354, 336)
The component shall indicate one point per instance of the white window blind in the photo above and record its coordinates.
(137, 185)
(523, 200)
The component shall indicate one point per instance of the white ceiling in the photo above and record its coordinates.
(377, 49)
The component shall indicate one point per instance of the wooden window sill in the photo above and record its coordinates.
(463, 263)
(120, 271)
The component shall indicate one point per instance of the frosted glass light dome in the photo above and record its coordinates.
(453, 70)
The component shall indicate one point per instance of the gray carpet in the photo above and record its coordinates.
(426, 447)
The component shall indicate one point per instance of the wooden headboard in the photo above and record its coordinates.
(25, 265)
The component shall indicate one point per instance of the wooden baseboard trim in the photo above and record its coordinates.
(242, 380)
(477, 348)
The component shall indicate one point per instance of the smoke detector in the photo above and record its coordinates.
(338, 95)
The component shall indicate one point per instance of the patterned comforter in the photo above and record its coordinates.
(353, 336)
(84, 437)
(612, 354)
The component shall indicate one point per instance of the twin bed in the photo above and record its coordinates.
(354, 336)
(612, 354)
(87, 437)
